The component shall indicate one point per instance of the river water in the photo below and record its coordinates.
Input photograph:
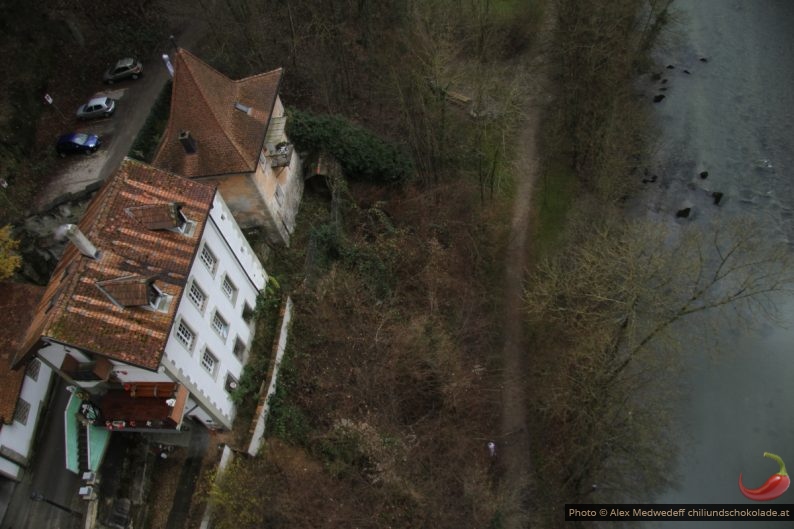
(733, 116)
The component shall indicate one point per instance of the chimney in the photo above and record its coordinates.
(187, 141)
(81, 241)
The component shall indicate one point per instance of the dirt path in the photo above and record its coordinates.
(516, 483)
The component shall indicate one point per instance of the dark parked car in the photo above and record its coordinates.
(98, 107)
(125, 68)
(119, 517)
(77, 142)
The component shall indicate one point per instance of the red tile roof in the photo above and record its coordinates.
(157, 216)
(130, 291)
(203, 101)
(75, 311)
(17, 304)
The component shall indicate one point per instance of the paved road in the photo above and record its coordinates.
(48, 476)
(199, 440)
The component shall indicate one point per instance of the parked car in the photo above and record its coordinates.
(123, 69)
(77, 142)
(119, 517)
(98, 107)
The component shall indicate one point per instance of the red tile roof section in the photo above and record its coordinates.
(157, 216)
(202, 102)
(18, 303)
(74, 311)
(130, 291)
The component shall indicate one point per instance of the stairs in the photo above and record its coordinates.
(82, 448)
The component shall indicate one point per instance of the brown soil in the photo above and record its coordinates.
(514, 444)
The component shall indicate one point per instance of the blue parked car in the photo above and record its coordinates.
(77, 142)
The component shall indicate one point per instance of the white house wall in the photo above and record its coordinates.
(226, 225)
(234, 260)
(278, 108)
(17, 436)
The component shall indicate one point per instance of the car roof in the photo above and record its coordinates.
(125, 62)
(71, 136)
(97, 101)
(67, 137)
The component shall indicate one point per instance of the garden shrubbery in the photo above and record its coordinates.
(363, 155)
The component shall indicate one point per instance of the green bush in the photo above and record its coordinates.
(149, 137)
(287, 420)
(267, 318)
(363, 155)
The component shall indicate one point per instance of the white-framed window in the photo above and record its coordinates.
(32, 370)
(209, 259)
(185, 335)
(156, 297)
(197, 296)
(22, 411)
(220, 325)
(229, 289)
(186, 226)
(240, 348)
(209, 362)
(279, 194)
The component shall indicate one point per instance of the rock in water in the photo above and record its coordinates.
(704, 174)
(683, 213)
(658, 98)
(717, 197)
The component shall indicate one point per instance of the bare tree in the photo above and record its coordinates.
(615, 304)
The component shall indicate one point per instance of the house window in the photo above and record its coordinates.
(156, 297)
(248, 313)
(231, 383)
(229, 289)
(32, 370)
(209, 259)
(197, 296)
(185, 335)
(239, 349)
(279, 195)
(21, 412)
(186, 226)
(209, 362)
(220, 325)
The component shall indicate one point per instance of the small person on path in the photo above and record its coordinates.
(492, 448)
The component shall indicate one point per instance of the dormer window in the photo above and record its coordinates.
(135, 291)
(245, 109)
(156, 296)
(167, 216)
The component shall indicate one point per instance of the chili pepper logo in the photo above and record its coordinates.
(776, 485)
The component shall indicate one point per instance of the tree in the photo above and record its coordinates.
(10, 261)
(615, 303)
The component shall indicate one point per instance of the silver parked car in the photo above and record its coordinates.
(125, 68)
(98, 107)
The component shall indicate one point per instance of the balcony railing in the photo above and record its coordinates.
(280, 155)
